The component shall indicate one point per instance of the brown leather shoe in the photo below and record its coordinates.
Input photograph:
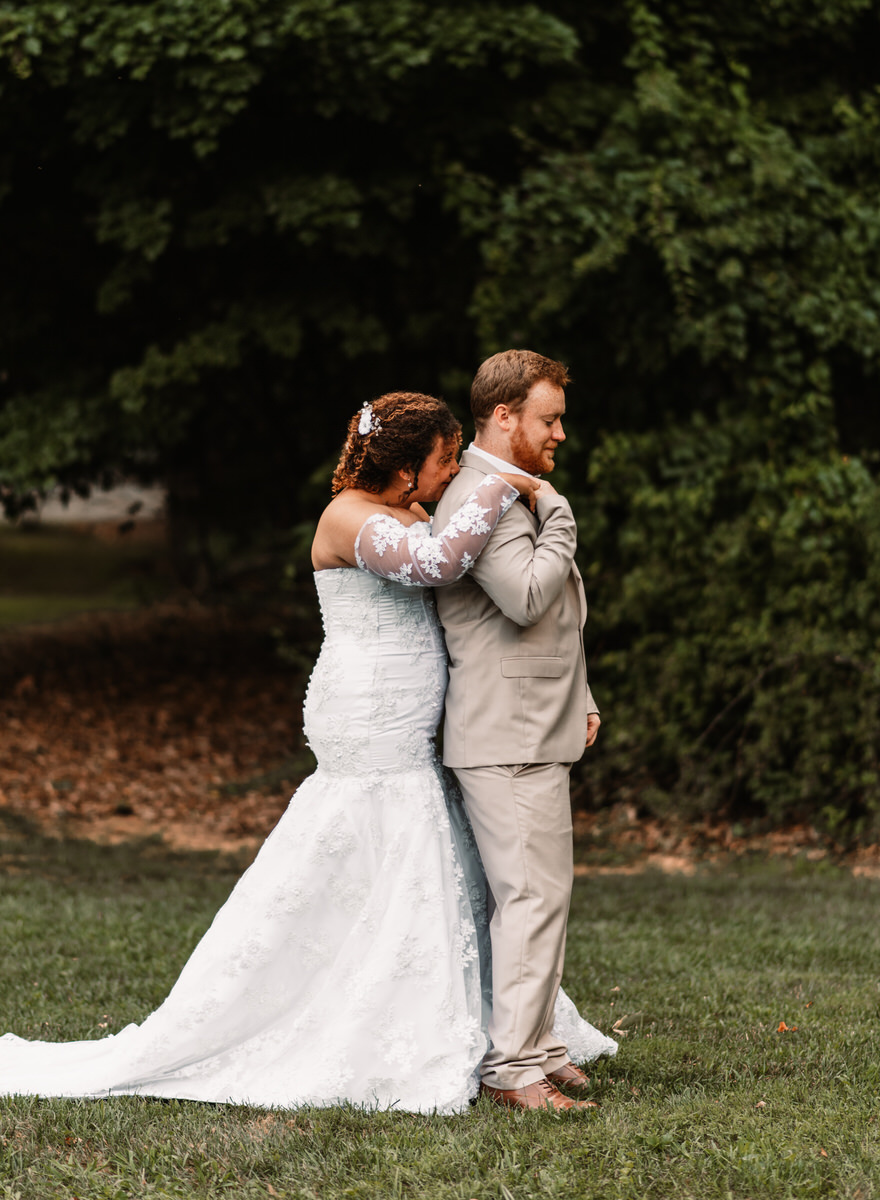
(534, 1095)
(569, 1076)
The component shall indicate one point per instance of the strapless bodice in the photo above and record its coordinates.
(376, 694)
(370, 611)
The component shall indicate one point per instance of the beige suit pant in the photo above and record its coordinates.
(521, 816)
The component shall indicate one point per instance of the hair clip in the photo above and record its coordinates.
(369, 422)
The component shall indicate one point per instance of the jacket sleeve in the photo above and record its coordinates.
(524, 576)
(415, 556)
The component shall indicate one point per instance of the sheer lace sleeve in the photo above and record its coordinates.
(414, 555)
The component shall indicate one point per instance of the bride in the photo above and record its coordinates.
(346, 964)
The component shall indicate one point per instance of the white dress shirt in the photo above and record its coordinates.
(498, 464)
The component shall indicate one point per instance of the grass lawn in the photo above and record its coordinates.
(706, 1098)
(48, 573)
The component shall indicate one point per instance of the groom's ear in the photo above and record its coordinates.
(501, 415)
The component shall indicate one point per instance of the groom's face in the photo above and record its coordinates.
(536, 430)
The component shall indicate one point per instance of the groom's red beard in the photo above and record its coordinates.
(536, 462)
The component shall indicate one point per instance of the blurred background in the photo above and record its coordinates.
(224, 226)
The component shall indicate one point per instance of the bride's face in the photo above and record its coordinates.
(437, 471)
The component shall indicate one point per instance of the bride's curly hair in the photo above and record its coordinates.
(409, 424)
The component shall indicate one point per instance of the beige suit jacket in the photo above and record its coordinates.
(518, 690)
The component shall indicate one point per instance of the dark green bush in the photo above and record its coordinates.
(735, 628)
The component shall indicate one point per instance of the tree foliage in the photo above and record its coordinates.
(226, 225)
(229, 229)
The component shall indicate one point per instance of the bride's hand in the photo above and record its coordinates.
(545, 488)
(526, 485)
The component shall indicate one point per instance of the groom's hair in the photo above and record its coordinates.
(506, 378)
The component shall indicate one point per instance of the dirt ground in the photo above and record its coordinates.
(183, 722)
(630, 843)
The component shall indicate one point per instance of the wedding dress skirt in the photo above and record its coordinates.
(345, 965)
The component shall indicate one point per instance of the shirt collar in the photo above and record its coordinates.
(498, 463)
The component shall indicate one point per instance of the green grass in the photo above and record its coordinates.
(705, 1098)
(48, 574)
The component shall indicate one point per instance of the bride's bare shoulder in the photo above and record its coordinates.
(349, 510)
(338, 527)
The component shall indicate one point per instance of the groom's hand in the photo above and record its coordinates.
(593, 724)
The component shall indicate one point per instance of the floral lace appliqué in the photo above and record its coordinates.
(414, 555)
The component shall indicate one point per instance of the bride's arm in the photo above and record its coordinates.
(414, 555)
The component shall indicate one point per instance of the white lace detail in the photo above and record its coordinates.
(347, 963)
(414, 556)
(386, 533)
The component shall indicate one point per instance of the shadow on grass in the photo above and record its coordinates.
(25, 850)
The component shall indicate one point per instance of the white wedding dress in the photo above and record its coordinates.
(345, 965)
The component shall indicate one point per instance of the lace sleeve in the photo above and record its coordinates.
(414, 555)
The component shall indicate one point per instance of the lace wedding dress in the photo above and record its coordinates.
(345, 965)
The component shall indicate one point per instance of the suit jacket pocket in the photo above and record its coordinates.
(532, 667)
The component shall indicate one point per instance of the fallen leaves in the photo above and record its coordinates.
(199, 725)
(620, 840)
(783, 1028)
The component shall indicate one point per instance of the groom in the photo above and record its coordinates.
(518, 712)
